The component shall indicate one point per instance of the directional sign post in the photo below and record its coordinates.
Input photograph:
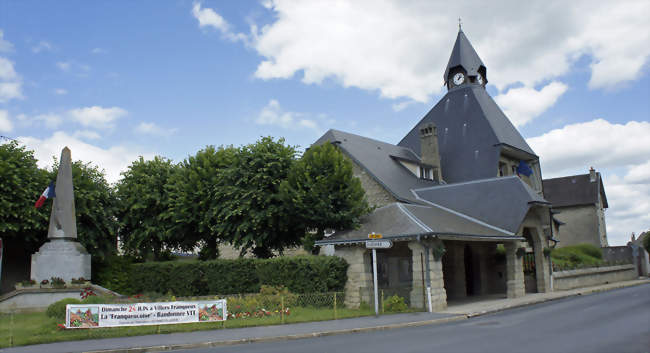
(376, 243)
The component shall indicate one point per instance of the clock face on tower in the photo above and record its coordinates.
(459, 78)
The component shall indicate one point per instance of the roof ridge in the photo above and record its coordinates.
(414, 218)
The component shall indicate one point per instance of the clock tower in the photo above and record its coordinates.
(464, 67)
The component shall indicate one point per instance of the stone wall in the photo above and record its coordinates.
(617, 254)
(376, 194)
(564, 280)
(359, 286)
(438, 293)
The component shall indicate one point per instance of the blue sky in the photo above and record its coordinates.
(114, 80)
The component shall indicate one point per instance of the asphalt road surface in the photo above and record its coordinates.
(611, 322)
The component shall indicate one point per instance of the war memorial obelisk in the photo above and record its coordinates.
(62, 255)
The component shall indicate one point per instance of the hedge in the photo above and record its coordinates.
(300, 274)
(577, 256)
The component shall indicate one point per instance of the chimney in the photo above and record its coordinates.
(592, 175)
(429, 149)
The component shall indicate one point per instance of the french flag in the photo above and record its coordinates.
(47, 194)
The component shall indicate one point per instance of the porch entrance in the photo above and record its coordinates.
(473, 270)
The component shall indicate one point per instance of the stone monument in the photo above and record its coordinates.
(62, 255)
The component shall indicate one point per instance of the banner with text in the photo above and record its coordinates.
(138, 314)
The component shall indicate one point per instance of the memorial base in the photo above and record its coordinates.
(63, 258)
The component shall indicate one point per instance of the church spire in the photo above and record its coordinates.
(464, 59)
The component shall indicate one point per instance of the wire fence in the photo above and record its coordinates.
(243, 310)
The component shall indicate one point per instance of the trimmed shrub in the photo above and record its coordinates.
(395, 304)
(300, 274)
(113, 273)
(577, 256)
(56, 310)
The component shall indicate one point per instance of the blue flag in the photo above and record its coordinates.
(524, 169)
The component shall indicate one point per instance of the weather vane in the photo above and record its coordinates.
(460, 23)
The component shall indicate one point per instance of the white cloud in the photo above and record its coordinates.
(97, 117)
(629, 209)
(621, 152)
(7, 71)
(398, 107)
(63, 65)
(639, 174)
(87, 134)
(401, 49)
(60, 91)
(5, 123)
(113, 160)
(5, 46)
(153, 129)
(524, 104)
(98, 51)
(42, 46)
(10, 81)
(51, 121)
(10, 90)
(207, 17)
(273, 114)
(597, 143)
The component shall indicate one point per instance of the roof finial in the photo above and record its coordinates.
(460, 24)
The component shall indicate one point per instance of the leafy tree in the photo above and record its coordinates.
(191, 202)
(646, 240)
(96, 208)
(21, 183)
(252, 212)
(142, 208)
(324, 192)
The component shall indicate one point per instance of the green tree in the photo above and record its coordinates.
(21, 184)
(324, 193)
(143, 202)
(191, 201)
(646, 240)
(96, 208)
(251, 213)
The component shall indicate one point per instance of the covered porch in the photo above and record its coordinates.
(425, 253)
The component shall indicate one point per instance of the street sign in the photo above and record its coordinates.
(374, 236)
(379, 244)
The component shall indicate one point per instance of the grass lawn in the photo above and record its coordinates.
(35, 328)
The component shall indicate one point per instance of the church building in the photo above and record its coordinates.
(460, 197)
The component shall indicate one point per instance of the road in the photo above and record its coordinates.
(614, 321)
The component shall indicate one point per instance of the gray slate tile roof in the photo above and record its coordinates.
(399, 220)
(574, 190)
(501, 202)
(463, 54)
(379, 160)
(471, 131)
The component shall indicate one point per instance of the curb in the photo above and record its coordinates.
(456, 317)
(174, 347)
(573, 293)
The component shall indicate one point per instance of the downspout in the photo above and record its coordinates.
(427, 275)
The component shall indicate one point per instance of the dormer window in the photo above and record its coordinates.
(426, 173)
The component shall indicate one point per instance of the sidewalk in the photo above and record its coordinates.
(199, 339)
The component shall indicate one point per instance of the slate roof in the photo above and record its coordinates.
(463, 54)
(400, 221)
(471, 132)
(501, 202)
(379, 159)
(574, 190)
